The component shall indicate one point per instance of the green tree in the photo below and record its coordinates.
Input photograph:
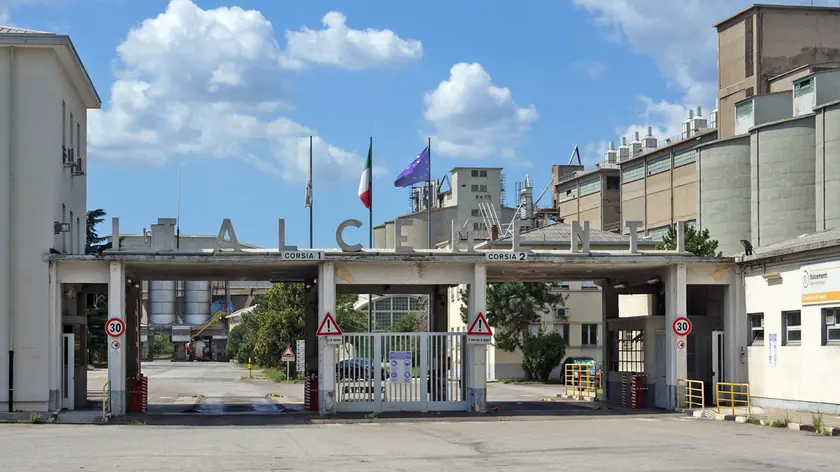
(94, 241)
(162, 346)
(512, 307)
(542, 354)
(697, 242)
(412, 322)
(97, 339)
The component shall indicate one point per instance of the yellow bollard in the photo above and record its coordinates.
(249, 368)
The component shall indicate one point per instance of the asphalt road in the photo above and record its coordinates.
(665, 443)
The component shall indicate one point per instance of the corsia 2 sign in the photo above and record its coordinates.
(821, 283)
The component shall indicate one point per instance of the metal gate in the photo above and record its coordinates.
(400, 372)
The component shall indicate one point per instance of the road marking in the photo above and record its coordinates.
(645, 419)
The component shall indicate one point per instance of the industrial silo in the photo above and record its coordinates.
(197, 297)
(783, 203)
(828, 167)
(723, 191)
(161, 305)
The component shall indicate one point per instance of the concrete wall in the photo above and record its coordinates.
(43, 186)
(802, 377)
(828, 167)
(782, 180)
(733, 79)
(723, 192)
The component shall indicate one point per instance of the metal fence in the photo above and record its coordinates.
(691, 394)
(400, 372)
(582, 381)
(734, 397)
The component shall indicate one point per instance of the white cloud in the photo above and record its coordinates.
(209, 83)
(473, 118)
(4, 17)
(338, 45)
(681, 38)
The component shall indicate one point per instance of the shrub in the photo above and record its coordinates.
(542, 354)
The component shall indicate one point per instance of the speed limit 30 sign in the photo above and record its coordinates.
(115, 327)
(682, 326)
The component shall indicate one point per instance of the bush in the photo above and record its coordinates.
(542, 354)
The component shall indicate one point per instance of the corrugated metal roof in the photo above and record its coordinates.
(559, 232)
(16, 30)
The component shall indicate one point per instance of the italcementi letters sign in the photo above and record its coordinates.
(821, 283)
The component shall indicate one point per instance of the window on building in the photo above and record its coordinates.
(474, 187)
(589, 335)
(475, 212)
(613, 182)
(63, 123)
(691, 224)
(78, 137)
(588, 285)
(792, 327)
(628, 350)
(657, 234)
(72, 235)
(474, 173)
(756, 333)
(563, 330)
(831, 325)
(559, 286)
(482, 173)
(479, 226)
(803, 87)
(71, 130)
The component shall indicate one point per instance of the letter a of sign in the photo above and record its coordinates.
(480, 327)
(328, 327)
(232, 243)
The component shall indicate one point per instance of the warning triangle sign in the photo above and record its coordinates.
(328, 327)
(480, 327)
(288, 353)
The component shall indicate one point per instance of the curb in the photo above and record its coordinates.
(745, 420)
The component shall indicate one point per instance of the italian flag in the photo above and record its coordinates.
(365, 181)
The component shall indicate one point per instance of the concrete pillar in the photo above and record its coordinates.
(310, 325)
(131, 344)
(55, 343)
(476, 354)
(438, 304)
(676, 366)
(735, 329)
(117, 358)
(609, 308)
(326, 364)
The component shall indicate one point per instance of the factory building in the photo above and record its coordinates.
(763, 42)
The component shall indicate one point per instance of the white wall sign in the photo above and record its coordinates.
(400, 366)
(821, 283)
(506, 256)
(772, 347)
(300, 361)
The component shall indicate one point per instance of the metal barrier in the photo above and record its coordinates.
(106, 401)
(400, 372)
(732, 395)
(582, 382)
(691, 394)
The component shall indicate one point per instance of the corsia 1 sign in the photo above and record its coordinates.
(820, 283)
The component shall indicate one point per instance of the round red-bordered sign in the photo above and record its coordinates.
(682, 326)
(115, 327)
(681, 344)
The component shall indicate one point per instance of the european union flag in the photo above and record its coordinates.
(418, 171)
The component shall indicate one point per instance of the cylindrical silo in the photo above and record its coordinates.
(783, 203)
(197, 298)
(161, 305)
(828, 167)
(723, 192)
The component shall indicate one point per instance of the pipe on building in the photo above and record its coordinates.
(8, 224)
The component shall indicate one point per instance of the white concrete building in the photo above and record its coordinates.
(792, 323)
(45, 94)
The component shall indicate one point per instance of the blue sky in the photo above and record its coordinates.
(232, 94)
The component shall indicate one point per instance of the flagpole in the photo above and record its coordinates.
(311, 197)
(370, 219)
(429, 205)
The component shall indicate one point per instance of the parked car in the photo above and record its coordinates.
(357, 369)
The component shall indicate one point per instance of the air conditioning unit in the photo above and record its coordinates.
(69, 157)
(59, 227)
(561, 312)
(79, 168)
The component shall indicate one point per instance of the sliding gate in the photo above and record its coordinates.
(400, 372)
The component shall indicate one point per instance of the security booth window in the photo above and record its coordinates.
(756, 332)
(792, 325)
(831, 326)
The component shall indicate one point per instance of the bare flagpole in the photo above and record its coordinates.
(311, 197)
(429, 205)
